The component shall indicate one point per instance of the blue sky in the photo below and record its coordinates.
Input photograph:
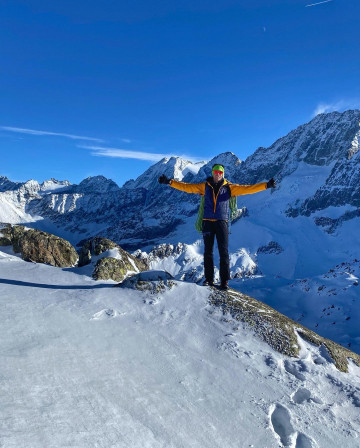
(114, 85)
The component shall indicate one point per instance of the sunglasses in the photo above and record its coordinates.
(218, 172)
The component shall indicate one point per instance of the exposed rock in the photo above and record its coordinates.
(40, 247)
(110, 268)
(5, 242)
(166, 250)
(280, 332)
(95, 246)
(271, 248)
(14, 234)
(114, 268)
(152, 281)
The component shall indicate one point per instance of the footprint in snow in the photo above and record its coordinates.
(303, 441)
(295, 369)
(271, 362)
(302, 395)
(281, 423)
(106, 314)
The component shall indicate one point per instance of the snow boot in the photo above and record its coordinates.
(224, 285)
(208, 283)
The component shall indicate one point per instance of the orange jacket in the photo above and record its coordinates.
(236, 189)
(212, 213)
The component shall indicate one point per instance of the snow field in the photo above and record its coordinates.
(84, 364)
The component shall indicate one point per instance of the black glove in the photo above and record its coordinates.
(271, 183)
(163, 179)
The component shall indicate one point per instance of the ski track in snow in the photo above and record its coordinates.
(113, 367)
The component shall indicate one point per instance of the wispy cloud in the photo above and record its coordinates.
(318, 3)
(139, 155)
(58, 134)
(338, 106)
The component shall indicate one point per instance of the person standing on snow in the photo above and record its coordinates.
(217, 192)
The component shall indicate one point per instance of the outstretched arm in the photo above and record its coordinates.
(188, 188)
(237, 190)
(183, 186)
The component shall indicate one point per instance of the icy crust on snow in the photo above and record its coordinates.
(86, 364)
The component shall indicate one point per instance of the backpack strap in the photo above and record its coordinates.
(200, 215)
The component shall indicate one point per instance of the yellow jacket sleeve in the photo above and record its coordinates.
(237, 190)
(188, 188)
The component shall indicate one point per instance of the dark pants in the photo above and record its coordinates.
(219, 229)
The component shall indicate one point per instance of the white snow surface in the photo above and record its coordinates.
(84, 364)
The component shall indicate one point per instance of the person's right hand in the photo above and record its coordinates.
(163, 179)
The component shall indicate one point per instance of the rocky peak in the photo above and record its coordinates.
(172, 167)
(97, 184)
(6, 184)
(231, 164)
(29, 189)
(53, 184)
(325, 139)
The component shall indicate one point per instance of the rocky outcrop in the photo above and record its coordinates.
(95, 246)
(117, 269)
(110, 268)
(40, 247)
(5, 241)
(153, 282)
(161, 251)
(271, 248)
(280, 332)
(116, 264)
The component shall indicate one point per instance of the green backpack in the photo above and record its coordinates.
(232, 212)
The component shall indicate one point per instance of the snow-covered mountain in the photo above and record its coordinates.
(282, 240)
(158, 363)
(173, 167)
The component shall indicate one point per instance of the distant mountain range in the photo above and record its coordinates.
(323, 153)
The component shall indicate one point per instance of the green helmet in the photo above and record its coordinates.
(218, 167)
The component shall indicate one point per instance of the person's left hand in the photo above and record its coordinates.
(163, 179)
(271, 183)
